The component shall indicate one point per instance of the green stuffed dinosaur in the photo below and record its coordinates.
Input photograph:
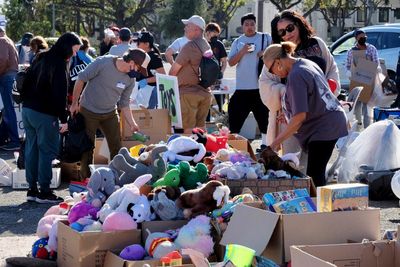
(171, 178)
(191, 176)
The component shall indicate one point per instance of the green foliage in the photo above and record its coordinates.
(222, 10)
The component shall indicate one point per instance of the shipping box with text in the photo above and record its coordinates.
(272, 234)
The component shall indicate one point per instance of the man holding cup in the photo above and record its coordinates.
(246, 52)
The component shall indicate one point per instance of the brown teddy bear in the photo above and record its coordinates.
(204, 199)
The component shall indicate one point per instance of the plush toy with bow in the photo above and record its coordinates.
(212, 143)
(130, 168)
(204, 199)
(121, 199)
(101, 185)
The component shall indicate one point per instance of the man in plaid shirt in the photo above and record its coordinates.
(370, 54)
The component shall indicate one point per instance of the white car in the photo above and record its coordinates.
(386, 38)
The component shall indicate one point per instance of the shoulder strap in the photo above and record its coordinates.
(262, 41)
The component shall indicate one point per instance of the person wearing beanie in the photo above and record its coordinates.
(125, 36)
(146, 42)
(362, 112)
(108, 88)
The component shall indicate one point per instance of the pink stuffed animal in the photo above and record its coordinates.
(117, 221)
(45, 224)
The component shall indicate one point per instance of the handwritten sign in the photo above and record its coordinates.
(168, 97)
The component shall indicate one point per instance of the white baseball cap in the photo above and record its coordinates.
(196, 20)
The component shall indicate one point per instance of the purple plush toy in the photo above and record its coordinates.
(80, 210)
(133, 253)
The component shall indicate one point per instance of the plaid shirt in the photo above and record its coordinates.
(370, 53)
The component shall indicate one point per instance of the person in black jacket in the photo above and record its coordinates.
(45, 99)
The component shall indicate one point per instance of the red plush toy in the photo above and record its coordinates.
(211, 142)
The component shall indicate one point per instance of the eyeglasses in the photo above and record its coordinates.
(270, 68)
(289, 28)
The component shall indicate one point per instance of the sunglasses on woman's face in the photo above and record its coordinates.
(289, 28)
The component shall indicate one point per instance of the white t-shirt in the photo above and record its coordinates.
(177, 45)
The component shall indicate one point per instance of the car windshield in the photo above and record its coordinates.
(345, 46)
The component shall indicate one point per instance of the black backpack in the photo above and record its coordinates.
(18, 85)
(208, 70)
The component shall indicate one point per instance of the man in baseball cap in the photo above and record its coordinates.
(108, 88)
(123, 45)
(196, 20)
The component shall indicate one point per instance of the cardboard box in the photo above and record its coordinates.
(260, 187)
(19, 179)
(371, 254)
(242, 145)
(160, 226)
(271, 234)
(90, 248)
(113, 260)
(155, 123)
(70, 171)
(97, 157)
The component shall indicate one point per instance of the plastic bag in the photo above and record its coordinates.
(143, 95)
(379, 98)
(5, 173)
(378, 147)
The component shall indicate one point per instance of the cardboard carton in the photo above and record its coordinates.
(155, 123)
(371, 254)
(19, 179)
(271, 234)
(89, 248)
(97, 157)
(113, 260)
(242, 145)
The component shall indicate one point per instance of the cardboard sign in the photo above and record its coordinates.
(364, 72)
(168, 97)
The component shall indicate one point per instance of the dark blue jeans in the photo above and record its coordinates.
(8, 127)
(41, 147)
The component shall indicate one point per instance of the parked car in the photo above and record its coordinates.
(386, 38)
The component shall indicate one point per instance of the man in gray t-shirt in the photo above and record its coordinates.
(108, 85)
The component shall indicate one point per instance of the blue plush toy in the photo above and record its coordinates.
(41, 250)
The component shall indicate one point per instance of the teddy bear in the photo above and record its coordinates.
(204, 199)
(159, 244)
(184, 148)
(162, 200)
(130, 168)
(101, 185)
(123, 197)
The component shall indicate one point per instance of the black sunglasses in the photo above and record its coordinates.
(270, 68)
(289, 28)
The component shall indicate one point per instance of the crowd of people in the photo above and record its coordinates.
(281, 77)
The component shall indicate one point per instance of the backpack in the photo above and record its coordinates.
(18, 85)
(208, 70)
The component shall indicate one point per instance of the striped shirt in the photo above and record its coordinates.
(370, 53)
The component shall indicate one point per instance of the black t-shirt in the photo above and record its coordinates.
(218, 49)
(312, 51)
(155, 63)
(104, 48)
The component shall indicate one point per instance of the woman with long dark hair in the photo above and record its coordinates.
(45, 100)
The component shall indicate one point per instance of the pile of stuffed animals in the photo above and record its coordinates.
(183, 176)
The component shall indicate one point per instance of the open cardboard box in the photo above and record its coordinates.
(271, 234)
(160, 226)
(113, 260)
(370, 254)
(89, 248)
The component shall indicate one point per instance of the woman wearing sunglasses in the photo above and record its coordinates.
(315, 117)
(291, 26)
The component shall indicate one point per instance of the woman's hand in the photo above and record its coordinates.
(134, 127)
(63, 127)
(281, 118)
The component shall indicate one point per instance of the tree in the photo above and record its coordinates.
(223, 10)
(289, 4)
(370, 7)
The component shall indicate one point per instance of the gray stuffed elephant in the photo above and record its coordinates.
(101, 185)
(131, 168)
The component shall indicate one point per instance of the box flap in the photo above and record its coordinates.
(259, 225)
(113, 260)
(301, 258)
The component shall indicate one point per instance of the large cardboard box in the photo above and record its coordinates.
(19, 179)
(371, 254)
(242, 145)
(155, 123)
(113, 260)
(90, 248)
(271, 234)
(260, 187)
(97, 157)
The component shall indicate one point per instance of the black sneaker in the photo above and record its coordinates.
(32, 194)
(48, 197)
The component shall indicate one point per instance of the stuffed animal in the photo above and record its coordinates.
(64, 207)
(196, 234)
(271, 160)
(184, 148)
(190, 176)
(204, 199)
(238, 170)
(162, 200)
(41, 250)
(117, 221)
(171, 178)
(45, 224)
(130, 168)
(80, 210)
(86, 225)
(101, 185)
(159, 244)
(133, 253)
(211, 142)
(140, 210)
(123, 197)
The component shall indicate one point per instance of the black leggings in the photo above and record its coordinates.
(319, 153)
(240, 105)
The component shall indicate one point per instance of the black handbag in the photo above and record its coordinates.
(260, 60)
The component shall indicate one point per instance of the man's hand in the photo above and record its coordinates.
(63, 127)
(134, 127)
(74, 109)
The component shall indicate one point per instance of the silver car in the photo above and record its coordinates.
(386, 39)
